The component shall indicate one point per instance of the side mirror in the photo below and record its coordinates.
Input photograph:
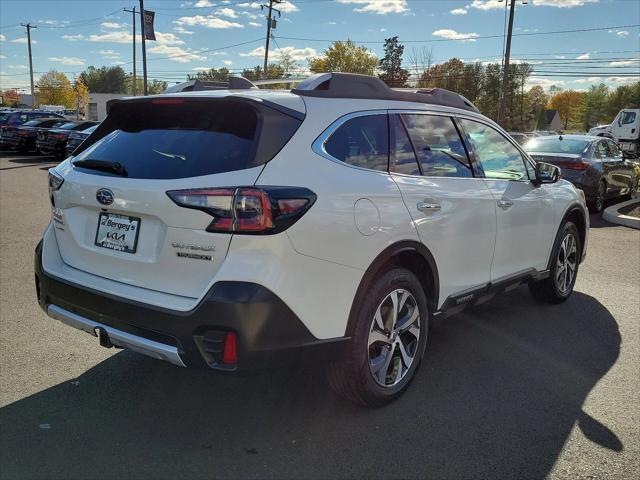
(546, 173)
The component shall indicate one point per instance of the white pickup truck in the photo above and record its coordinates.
(625, 129)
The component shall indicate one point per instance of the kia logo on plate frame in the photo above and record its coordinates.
(104, 196)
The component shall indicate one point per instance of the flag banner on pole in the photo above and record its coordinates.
(149, 16)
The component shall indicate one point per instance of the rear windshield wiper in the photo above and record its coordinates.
(104, 165)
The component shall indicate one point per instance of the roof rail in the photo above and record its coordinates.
(234, 83)
(348, 85)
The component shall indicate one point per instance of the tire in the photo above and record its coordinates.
(372, 370)
(597, 204)
(558, 287)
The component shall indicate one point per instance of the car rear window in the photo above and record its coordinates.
(556, 145)
(175, 138)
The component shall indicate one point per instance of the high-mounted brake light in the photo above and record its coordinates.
(247, 210)
(167, 101)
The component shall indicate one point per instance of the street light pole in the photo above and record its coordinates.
(133, 11)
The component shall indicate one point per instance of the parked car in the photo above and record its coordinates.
(76, 138)
(337, 221)
(593, 164)
(521, 138)
(54, 141)
(23, 137)
(18, 117)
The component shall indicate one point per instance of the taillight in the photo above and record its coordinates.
(248, 210)
(57, 136)
(230, 350)
(577, 166)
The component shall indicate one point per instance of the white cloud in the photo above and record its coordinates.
(622, 33)
(287, 7)
(177, 54)
(622, 80)
(275, 55)
(227, 12)
(209, 22)
(118, 62)
(109, 54)
(22, 40)
(18, 67)
(487, 4)
(73, 38)
(67, 60)
(215, 54)
(3, 56)
(182, 30)
(113, 25)
(200, 69)
(543, 82)
(584, 56)
(126, 37)
(249, 15)
(562, 3)
(453, 35)
(255, 24)
(227, 62)
(204, 4)
(2, 38)
(458, 11)
(249, 5)
(53, 22)
(380, 7)
(624, 63)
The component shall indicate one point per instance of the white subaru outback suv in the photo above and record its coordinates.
(237, 228)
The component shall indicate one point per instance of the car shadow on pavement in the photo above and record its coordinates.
(501, 388)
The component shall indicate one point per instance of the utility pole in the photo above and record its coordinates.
(269, 24)
(507, 54)
(144, 46)
(133, 11)
(33, 94)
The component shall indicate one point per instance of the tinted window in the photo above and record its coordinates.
(404, 157)
(32, 123)
(498, 157)
(556, 145)
(68, 126)
(438, 146)
(361, 142)
(188, 139)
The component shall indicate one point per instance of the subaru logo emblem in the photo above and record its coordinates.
(104, 196)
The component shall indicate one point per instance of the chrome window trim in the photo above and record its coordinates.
(318, 146)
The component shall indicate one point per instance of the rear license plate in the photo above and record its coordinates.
(117, 232)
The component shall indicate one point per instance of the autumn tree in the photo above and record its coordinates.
(10, 98)
(567, 103)
(391, 64)
(81, 93)
(345, 57)
(54, 88)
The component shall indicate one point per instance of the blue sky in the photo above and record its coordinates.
(199, 34)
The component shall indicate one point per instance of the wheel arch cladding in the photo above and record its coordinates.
(576, 215)
(408, 254)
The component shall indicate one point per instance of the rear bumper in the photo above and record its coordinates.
(268, 332)
(50, 147)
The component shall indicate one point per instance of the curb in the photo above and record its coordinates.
(611, 215)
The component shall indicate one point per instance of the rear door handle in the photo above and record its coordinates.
(428, 206)
(505, 204)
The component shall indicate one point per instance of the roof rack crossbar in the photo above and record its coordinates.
(234, 83)
(348, 85)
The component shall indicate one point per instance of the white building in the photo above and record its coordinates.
(97, 105)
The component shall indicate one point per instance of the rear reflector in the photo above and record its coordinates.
(230, 352)
(167, 101)
(247, 210)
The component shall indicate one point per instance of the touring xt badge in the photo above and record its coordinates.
(194, 256)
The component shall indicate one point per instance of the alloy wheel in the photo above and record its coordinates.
(393, 338)
(600, 197)
(566, 264)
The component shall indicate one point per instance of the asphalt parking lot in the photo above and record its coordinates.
(509, 389)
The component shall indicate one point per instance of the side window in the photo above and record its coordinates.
(404, 158)
(24, 117)
(438, 146)
(614, 149)
(601, 149)
(498, 157)
(628, 117)
(362, 142)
